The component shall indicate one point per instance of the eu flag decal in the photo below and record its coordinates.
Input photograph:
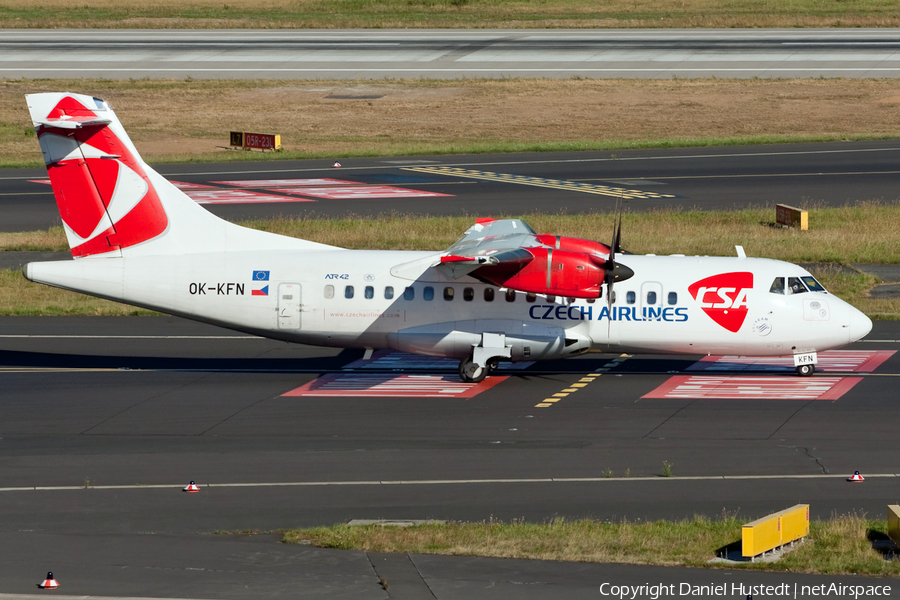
(260, 275)
(262, 292)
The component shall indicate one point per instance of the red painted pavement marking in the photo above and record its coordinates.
(392, 359)
(359, 192)
(184, 185)
(857, 361)
(222, 196)
(266, 183)
(401, 385)
(756, 388)
(375, 385)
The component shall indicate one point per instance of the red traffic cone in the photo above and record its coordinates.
(336, 165)
(191, 488)
(856, 477)
(49, 583)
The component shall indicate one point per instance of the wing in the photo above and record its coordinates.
(508, 253)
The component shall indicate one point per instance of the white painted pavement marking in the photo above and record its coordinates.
(411, 482)
(357, 192)
(264, 183)
(754, 387)
(380, 385)
(223, 196)
(831, 360)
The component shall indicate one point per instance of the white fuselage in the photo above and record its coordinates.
(361, 298)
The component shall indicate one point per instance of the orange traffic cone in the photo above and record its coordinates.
(856, 477)
(191, 488)
(49, 583)
(336, 165)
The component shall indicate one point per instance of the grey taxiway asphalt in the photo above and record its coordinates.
(134, 408)
(722, 178)
(342, 54)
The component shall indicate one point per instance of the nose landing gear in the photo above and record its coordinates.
(806, 370)
(805, 363)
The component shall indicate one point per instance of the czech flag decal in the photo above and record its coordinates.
(262, 292)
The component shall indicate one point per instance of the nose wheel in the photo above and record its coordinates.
(806, 370)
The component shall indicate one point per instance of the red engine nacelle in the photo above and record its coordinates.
(558, 242)
(554, 272)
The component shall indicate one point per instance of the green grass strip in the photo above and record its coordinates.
(841, 545)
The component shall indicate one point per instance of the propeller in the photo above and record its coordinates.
(614, 271)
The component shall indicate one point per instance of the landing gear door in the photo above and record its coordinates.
(289, 306)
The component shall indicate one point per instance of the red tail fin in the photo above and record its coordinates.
(105, 198)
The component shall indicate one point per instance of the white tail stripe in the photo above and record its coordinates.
(130, 189)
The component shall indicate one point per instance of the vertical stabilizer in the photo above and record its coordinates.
(112, 203)
(104, 196)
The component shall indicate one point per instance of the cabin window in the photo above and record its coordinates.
(329, 292)
(777, 286)
(630, 297)
(651, 297)
(448, 293)
(388, 292)
(551, 299)
(370, 292)
(409, 293)
(612, 297)
(796, 285)
(591, 300)
(530, 297)
(510, 295)
(428, 293)
(812, 284)
(348, 291)
(488, 294)
(468, 294)
(673, 298)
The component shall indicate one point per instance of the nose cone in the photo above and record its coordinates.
(860, 325)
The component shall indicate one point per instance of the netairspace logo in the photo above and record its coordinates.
(740, 590)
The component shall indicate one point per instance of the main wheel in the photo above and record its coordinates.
(806, 370)
(471, 372)
(492, 365)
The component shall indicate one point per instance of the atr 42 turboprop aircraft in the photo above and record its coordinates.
(500, 293)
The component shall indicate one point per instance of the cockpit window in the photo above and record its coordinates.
(796, 286)
(777, 286)
(813, 285)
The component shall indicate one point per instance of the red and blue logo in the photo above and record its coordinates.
(260, 276)
(723, 298)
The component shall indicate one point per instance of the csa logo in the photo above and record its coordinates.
(724, 298)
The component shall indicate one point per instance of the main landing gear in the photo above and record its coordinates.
(485, 358)
(472, 372)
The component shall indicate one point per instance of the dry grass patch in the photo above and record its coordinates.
(20, 297)
(52, 240)
(191, 119)
(841, 545)
(263, 14)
